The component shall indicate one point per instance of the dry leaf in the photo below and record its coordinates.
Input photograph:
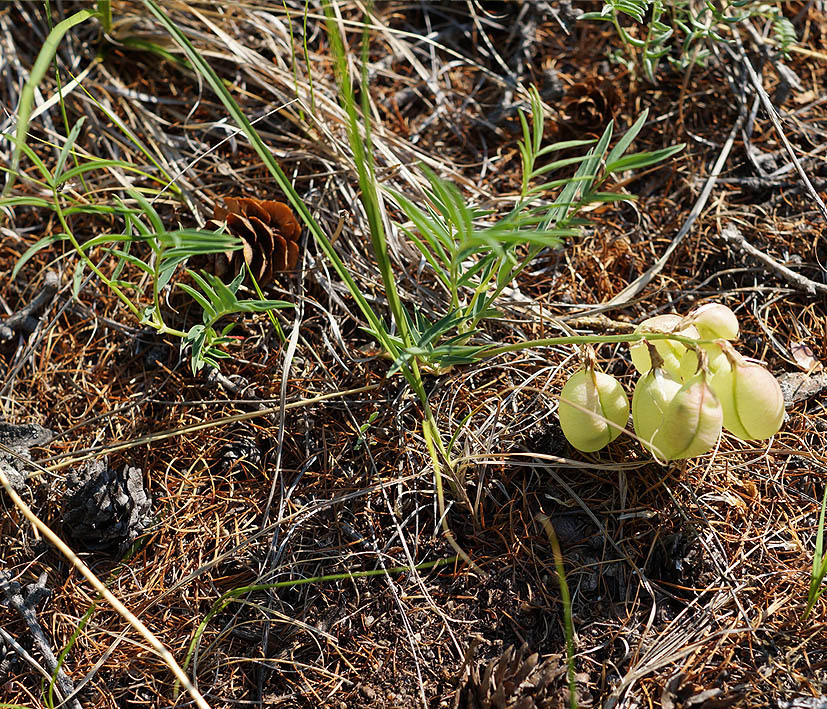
(805, 358)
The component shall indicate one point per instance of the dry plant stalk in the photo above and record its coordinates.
(269, 233)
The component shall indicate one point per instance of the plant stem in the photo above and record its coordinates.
(433, 442)
(590, 339)
(565, 597)
(117, 291)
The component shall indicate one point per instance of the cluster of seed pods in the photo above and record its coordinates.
(689, 389)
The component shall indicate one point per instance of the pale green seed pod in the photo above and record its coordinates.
(653, 393)
(751, 397)
(692, 421)
(589, 403)
(671, 351)
(714, 321)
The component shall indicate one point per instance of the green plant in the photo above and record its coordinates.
(217, 301)
(473, 254)
(819, 570)
(565, 599)
(476, 255)
(679, 33)
(154, 252)
(693, 383)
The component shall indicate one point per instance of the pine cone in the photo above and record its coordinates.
(518, 680)
(269, 232)
(241, 448)
(19, 438)
(105, 508)
(590, 105)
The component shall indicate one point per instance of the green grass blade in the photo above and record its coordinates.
(33, 156)
(41, 66)
(98, 164)
(636, 161)
(565, 145)
(105, 13)
(819, 570)
(26, 201)
(626, 139)
(363, 157)
(34, 248)
(198, 298)
(67, 146)
(557, 164)
(206, 71)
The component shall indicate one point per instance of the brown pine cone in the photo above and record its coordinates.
(269, 232)
(588, 106)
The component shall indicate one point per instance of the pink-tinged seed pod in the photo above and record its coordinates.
(751, 398)
(653, 393)
(590, 403)
(714, 321)
(671, 351)
(692, 421)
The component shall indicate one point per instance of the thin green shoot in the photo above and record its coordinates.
(565, 598)
(105, 14)
(307, 62)
(819, 570)
(306, 56)
(362, 439)
(87, 616)
(270, 314)
(361, 145)
(41, 65)
(63, 115)
(293, 63)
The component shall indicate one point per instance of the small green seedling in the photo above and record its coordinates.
(360, 441)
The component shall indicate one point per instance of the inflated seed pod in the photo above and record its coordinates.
(590, 402)
(671, 351)
(714, 321)
(692, 421)
(653, 393)
(753, 405)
